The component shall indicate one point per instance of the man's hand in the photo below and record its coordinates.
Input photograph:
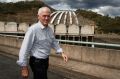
(24, 72)
(65, 58)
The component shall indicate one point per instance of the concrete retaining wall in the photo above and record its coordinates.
(59, 28)
(2, 26)
(23, 27)
(73, 30)
(87, 29)
(11, 27)
(103, 63)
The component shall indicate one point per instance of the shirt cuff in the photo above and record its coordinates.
(21, 63)
(59, 51)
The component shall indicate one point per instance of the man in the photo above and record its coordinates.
(38, 41)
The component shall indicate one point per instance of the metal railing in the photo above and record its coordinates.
(74, 42)
(90, 43)
(14, 36)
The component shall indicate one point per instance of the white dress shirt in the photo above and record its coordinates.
(38, 42)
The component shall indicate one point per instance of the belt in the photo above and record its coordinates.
(39, 59)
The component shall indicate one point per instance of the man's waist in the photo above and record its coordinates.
(40, 55)
(35, 58)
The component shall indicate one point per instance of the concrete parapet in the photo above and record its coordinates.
(61, 29)
(10, 41)
(23, 27)
(86, 68)
(87, 29)
(2, 26)
(103, 63)
(97, 56)
(73, 29)
(11, 27)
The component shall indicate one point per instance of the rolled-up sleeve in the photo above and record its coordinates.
(25, 48)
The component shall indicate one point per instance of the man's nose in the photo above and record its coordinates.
(46, 17)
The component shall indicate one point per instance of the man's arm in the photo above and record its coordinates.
(56, 46)
(25, 48)
(59, 50)
(65, 57)
(24, 71)
(24, 51)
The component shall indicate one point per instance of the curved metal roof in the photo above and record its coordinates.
(64, 17)
(68, 18)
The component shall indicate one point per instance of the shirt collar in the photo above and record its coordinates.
(41, 25)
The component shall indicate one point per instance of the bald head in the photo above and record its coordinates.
(44, 9)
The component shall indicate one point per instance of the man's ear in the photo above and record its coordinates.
(38, 16)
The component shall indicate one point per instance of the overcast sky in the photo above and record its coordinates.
(104, 7)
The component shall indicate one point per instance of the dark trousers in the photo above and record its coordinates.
(39, 67)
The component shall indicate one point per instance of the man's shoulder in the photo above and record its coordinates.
(33, 26)
(49, 27)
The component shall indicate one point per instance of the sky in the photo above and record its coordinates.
(103, 7)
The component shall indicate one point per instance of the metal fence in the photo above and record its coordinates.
(73, 41)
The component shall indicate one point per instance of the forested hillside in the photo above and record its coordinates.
(105, 24)
(20, 11)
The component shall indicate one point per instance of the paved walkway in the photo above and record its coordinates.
(10, 70)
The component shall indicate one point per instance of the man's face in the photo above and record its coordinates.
(44, 18)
